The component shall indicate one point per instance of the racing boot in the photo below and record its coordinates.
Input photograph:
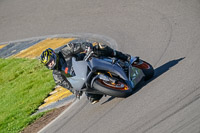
(126, 57)
(94, 98)
(104, 50)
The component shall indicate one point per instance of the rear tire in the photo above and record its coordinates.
(149, 73)
(147, 69)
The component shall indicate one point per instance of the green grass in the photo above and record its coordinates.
(24, 83)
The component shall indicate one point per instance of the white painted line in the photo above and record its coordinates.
(73, 104)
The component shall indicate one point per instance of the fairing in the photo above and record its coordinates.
(80, 69)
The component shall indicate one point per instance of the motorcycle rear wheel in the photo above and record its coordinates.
(147, 69)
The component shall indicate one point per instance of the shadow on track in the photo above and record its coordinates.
(158, 71)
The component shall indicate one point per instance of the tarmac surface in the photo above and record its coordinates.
(162, 32)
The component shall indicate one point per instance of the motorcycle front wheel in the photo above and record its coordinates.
(118, 89)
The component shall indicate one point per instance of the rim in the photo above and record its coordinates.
(118, 86)
(144, 65)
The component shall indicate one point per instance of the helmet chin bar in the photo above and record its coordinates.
(53, 57)
(51, 68)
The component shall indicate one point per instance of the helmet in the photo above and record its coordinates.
(48, 58)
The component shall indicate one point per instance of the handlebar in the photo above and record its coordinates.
(88, 55)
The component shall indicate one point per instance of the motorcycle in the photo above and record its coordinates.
(108, 76)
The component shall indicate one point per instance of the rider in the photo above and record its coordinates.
(61, 62)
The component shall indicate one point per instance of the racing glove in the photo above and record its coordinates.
(78, 94)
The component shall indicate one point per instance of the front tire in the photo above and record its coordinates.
(116, 90)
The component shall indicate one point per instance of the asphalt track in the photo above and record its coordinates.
(163, 32)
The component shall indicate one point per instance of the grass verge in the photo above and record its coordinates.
(24, 83)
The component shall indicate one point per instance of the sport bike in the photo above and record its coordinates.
(108, 76)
